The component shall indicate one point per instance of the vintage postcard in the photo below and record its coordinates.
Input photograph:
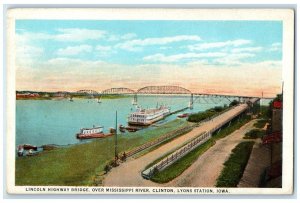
(150, 101)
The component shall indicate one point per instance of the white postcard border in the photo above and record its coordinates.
(284, 15)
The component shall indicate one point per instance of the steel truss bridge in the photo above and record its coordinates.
(167, 90)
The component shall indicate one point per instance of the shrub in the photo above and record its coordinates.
(254, 133)
(200, 116)
(234, 103)
(234, 167)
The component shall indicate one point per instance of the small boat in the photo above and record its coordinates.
(132, 129)
(184, 115)
(71, 99)
(98, 100)
(122, 128)
(20, 150)
(30, 152)
(29, 147)
(112, 130)
(94, 132)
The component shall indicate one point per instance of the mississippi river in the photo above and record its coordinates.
(40, 122)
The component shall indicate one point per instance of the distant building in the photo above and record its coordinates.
(60, 94)
(276, 122)
(27, 95)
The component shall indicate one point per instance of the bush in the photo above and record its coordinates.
(260, 123)
(255, 133)
(200, 116)
(234, 167)
(234, 103)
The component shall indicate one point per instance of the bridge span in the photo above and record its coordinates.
(167, 90)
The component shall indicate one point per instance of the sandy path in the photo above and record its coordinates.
(205, 171)
(129, 173)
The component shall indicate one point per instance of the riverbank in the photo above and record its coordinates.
(74, 97)
(76, 165)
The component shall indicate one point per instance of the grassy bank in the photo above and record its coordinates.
(76, 165)
(182, 164)
(200, 116)
(234, 167)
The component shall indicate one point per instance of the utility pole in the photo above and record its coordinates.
(116, 138)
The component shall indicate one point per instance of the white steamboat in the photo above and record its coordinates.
(148, 116)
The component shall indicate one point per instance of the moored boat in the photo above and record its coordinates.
(122, 128)
(132, 129)
(94, 132)
(148, 116)
(28, 147)
(20, 150)
(112, 130)
(184, 115)
(30, 152)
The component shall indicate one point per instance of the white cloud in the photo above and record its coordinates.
(27, 54)
(276, 47)
(69, 35)
(135, 45)
(104, 51)
(28, 51)
(127, 36)
(211, 45)
(103, 48)
(177, 57)
(74, 50)
(78, 35)
(233, 59)
(246, 49)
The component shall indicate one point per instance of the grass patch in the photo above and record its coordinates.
(77, 165)
(234, 167)
(182, 164)
(260, 123)
(200, 116)
(255, 133)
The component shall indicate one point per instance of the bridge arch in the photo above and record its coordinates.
(119, 90)
(93, 92)
(163, 90)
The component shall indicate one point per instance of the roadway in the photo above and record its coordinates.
(129, 172)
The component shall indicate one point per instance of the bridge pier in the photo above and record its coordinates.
(134, 101)
(191, 101)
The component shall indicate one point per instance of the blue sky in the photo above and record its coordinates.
(159, 45)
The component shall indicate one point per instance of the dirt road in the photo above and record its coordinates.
(129, 173)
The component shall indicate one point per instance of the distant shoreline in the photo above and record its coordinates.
(74, 97)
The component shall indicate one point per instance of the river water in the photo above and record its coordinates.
(40, 122)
